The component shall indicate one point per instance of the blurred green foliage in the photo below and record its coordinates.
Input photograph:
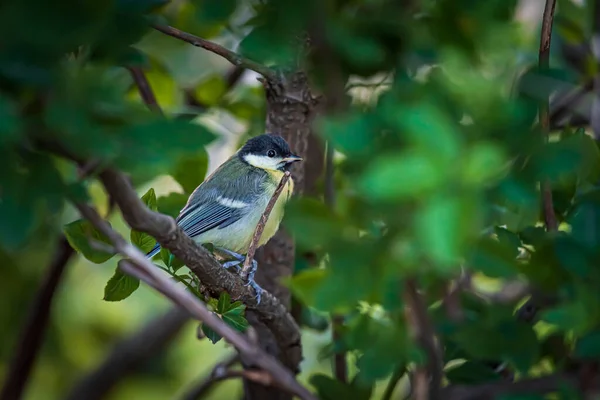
(438, 169)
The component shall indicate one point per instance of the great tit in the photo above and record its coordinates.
(225, 209)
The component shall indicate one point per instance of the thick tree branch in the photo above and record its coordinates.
(140, 267)
(229, 55)
(428, 380)
(35, 326)
(146, 93)
(199, 260)
(129, 354)
(260, 227)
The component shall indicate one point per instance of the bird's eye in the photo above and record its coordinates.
(271, 153)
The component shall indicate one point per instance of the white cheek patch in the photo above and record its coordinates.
(231, 203)
(263, 162)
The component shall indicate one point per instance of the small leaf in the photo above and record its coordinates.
(79, 233)
(142, 240)
(120, 286)
(213, 336)
(172, 262)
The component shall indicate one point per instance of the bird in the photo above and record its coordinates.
(226, 207)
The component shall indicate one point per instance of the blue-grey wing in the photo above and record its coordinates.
(222, 199)
(198, 218)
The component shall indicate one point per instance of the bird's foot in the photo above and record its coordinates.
(238, 260)
(252, 283)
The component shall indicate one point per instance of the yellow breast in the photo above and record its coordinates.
(277, 213)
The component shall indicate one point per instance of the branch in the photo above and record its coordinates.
(544, 115)
(199, 260)
(32, 333)
(146, 93)
(140, 267)
(260, 227)
(427, 380)
(38, 315)
(203, 387)
(222, 372)
(229, 55)
(129, 354)
(539, 386)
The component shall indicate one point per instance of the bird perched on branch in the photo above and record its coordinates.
(226, 208)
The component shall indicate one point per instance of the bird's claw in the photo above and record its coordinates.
(238, 260)
(257, 289)
(233, 263)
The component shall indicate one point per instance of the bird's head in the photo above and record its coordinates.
(268, 152)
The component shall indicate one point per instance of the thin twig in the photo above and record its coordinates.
(140, 267)
(544, 115)
(203, 387)
(428, 380)
(260, 227)
(229, 55)
(145, 89)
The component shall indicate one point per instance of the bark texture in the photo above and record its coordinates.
(291, 109)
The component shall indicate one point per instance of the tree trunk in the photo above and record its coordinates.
(291, 109)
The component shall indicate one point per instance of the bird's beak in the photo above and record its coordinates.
(292, 158)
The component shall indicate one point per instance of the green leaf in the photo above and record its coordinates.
(79, 233)
(149, 199)
(120, 286)
(312, 222)
(211, 90)
(504, 340)
(332, 389)
(160, 143)
(10, 123)
(420, 174)
(588, 346)
(444, 225)
(142, 240)
(495, 258)
(190, 171)
(231, 313)
(213, 336)
(172, 204)
(172, 262)
(483, 162)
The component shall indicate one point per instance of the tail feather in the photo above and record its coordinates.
(154, 251)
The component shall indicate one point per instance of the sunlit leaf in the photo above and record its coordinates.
(120, 286)
(81, 235)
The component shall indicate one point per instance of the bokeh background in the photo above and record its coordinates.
(84, 328)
